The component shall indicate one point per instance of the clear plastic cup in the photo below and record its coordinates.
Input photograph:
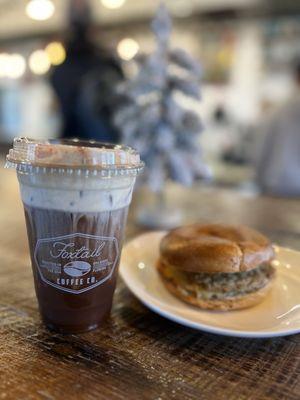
(76, 197)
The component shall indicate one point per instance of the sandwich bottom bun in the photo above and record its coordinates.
(190, 292)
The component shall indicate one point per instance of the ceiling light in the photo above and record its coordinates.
(16, 66)
(113, 4)
(4, 64)
(56, 53)
(127, 48)
(12, 65)
(40, 10)
(39, 62)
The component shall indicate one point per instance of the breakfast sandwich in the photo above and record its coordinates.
(217, 266)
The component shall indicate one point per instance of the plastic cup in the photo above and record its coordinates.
(76, 197)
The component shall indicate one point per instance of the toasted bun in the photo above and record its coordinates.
(215, 248)
(230, 303)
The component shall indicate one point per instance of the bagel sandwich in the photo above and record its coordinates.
(217, 266)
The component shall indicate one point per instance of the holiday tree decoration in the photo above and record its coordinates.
(151, 116)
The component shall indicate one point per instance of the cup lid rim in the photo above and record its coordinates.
(74, 154)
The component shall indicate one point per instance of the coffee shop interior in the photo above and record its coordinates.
(67, 67)
(61, 64)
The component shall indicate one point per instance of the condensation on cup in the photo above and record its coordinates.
(76, 196)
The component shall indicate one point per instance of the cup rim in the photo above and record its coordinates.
(72, 154)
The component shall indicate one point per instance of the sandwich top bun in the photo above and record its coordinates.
(215, 248)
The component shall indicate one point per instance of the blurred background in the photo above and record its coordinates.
(59, 61)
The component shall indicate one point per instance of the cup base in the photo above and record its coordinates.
(69, 330)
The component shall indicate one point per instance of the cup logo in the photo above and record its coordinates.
(76, 263)
(77, 268)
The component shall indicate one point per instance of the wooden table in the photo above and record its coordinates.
(137, 354)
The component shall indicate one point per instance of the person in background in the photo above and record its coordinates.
(84, 83)
(278, 161)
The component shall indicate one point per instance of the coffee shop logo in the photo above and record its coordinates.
(77, 262)
(69, 251)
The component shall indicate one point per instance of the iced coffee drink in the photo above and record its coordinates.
(76, 197)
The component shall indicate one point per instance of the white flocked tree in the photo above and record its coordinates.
(151, 113)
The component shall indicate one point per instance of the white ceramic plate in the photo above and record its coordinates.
(277, 315)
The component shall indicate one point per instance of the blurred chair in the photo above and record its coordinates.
(278, 159)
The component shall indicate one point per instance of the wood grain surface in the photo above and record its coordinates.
(137, 354)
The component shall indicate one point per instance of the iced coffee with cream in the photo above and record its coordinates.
(76, 197)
